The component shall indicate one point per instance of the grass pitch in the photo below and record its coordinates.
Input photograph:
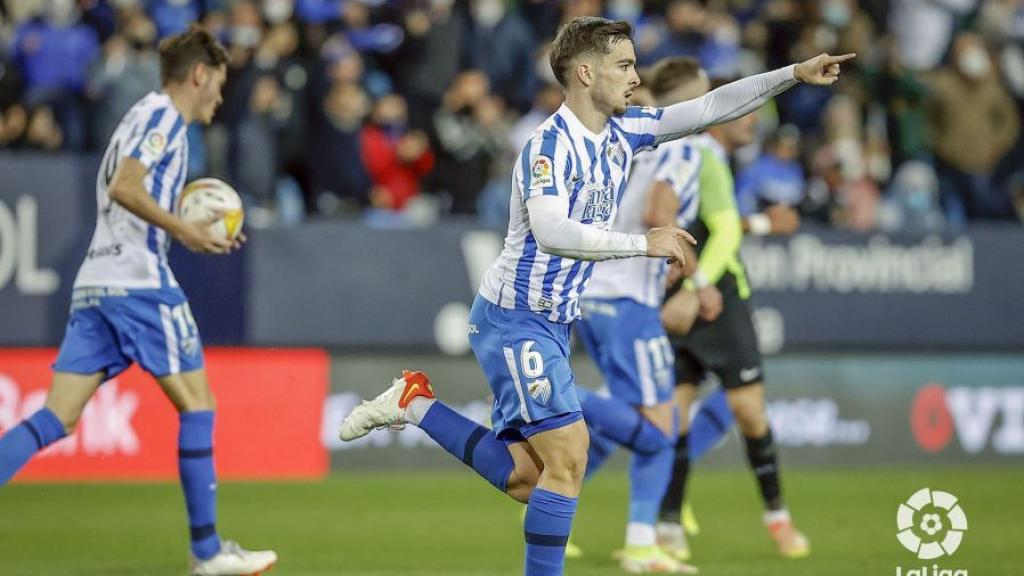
(453, 524)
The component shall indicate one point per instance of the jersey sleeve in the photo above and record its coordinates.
(679, 167)
(546, 166)
(718, 212)
(154, 136)
(640, 125)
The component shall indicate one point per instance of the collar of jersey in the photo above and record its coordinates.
(577, 127)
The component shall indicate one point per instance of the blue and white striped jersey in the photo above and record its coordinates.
(126, 251)
(676, 163)
(565, 158)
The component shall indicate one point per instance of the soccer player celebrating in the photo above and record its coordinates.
(622, 330)
(127, 306)
(567, 183)
(726, 346)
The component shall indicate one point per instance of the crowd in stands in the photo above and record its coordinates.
(405, 110)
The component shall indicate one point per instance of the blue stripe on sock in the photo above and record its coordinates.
(197, 533)
(35, 434)
(195, 453)
(474, 439)
(546, 539)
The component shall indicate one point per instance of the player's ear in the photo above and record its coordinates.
(585, 73)
(200, 74)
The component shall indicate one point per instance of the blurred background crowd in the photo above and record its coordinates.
(405, 111)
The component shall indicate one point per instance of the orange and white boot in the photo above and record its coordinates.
(389, 409)
(790, 542)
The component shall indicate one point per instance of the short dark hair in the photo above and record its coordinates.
(585, 35)
(670, 73)
(181, 52)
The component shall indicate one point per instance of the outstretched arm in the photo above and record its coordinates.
(557, 234)
(739, 98)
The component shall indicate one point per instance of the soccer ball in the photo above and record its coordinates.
(204, 198)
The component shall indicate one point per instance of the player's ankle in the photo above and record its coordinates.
(417, 409)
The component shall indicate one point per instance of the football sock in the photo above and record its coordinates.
(601, 449)
(649, 477)
(547, 526)
(711, 422)
(672, 503)
(198, 481)
(478, 447)
(24, 440)
(621, 422)
(764, 462)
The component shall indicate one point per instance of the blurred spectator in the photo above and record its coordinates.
(692, 30)
(172, 16)
(396, 158)
(429, 59)
(256, 151)
(840, 191)
(776, 177)
(973, 123)
(501, 45)
(470, 129)
(43, 132)
(128, 70)
(546, 103)
(913, 201)
(13, 124)
(923, 29)
(340, 178)
(54, 53)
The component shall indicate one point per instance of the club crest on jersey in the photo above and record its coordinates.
(599, 203)
(154, 143)
(541, 173)
(540, 391)
(616, 154)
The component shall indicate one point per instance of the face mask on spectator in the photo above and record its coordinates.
(277, 11)
(836, 13)
(974, 62)
(487, 13)
(245, 36)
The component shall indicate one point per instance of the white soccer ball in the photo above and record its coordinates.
(207, 197)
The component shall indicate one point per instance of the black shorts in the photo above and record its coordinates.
(727, 346)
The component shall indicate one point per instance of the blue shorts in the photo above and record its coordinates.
(110, 328)
(629, 345)
(526, 360)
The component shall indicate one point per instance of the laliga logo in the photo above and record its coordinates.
(931, 524)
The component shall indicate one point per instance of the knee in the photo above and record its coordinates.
(568, 468)
(203, 401)
(750, 419)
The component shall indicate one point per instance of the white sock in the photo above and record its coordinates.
(639, 534)
(417, 408)
(773, 516)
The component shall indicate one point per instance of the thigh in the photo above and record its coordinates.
(90, 343)
(188, 391)
(158, 331)
(69, 393)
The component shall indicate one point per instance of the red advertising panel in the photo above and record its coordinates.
(269, 406)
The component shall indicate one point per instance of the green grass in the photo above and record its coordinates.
(451, 523)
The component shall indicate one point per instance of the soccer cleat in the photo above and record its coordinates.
(650, 560)
(690, 520)
(790, 542)
(233, 560)
(388, 409)
(672, 539)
